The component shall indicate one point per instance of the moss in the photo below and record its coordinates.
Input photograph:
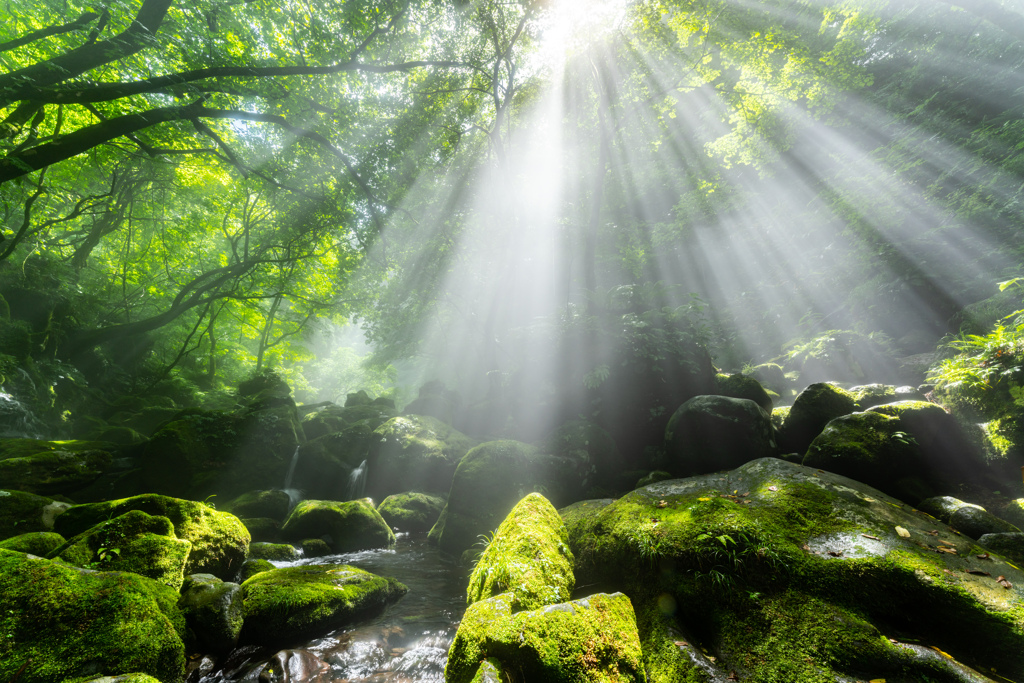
(58, 622)
(667, 655)
(869, 447)
(277, 552)
(315, 547)
(219, 539)
(38, 543)
(62, 467)
(263, 529)
(124, 678)
(411, 511)
(296, 602)
(251, 568)
(353, 525)
(709, 433)
(490, 671)
(779, 416)
(743, 386)
(22, 512)
(528, 557)
(591, 639)
(812, 409)
(414, 452)
(273, 503)
(213, 610)
(133, 542)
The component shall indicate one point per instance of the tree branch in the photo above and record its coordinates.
(83, 19)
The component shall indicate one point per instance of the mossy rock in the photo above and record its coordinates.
(61, 622)
(650, 478)
(1008, 544)
(709, 433)
(48, 468)
(813, 408)
(779, 416)
(870, 395)
(132, 542)
(315, 547)
(591, 449)
(325, 464)
(275, 552)
(284, 606)
(124, 678)
(771, 376)
(272, 503)
(743, 386)
(219, 539)
(773, 562)
(412, 511)
(414, 452)
(39, 543)
(263, 529)
(333, 418)
(349, 526)
(593, 639)
(488, 482)
(22, 512)
(528, 557)
(213, 611)
(251, 568)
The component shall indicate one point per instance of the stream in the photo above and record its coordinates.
(407, 644)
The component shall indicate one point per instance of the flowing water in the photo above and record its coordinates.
(291, 469)
(356, 482)
(407, 644)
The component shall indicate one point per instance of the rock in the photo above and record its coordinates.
(334, 418)
(709, 433)
(743, 386)
(125, 678)
(489, 671)
(296, 666)
(814, 407)
(251, 568)
(1008, 544)
(60, 623)
(488, 482)
(434, 400)
(591, 639)
(213, 610)
(871, 448)
(414, 452)
(286, 605)
(1013, 512)
(774, 561)
(353, 525)
(528, 557)
(219, 539)
(47, 468)
(943, 507)
(770, 376)
(272, 503)
(325, 465)
(650, 478)
(263, 529)
(411, 511)
(132, 542)
(22, 512)
(315, 547)
(975, 521)
(591, 450)
(276, 552)
(870, 395)
(39, 543)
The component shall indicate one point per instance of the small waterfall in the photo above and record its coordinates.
(17, 421)
(294, 496)
(291, 469)
(356, 482)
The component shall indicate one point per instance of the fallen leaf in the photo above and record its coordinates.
(985, 556)
(681, 643)
(933, 532)
(744, 495)
(833, 553)
(902, 532)
(662, 503)
(944, 549)
(805, 547)
(704, 499)
(733, 676)
(877, 680)
(1003, 582)
(870, 500)
(977, 572)
(873, 538)
(773, 488)
(944, 654)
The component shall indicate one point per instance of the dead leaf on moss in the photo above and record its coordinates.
(902, 532)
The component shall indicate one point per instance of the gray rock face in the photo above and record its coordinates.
(967, 518)
(710, 433)
(1010, 545)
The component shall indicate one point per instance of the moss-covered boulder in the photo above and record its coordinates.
(275, 552)
(412, 511)
(869, 395)
(60, 622)
(334, 418)
(39, 543)
(1009, 544)
(967, 518)
(219, 539)
(814, 407)
(593, 639)
(315, 547)
(263, 529)
(123, 678)
(251, 568)
(283, 606)
(709, 433)
(22, 512)
(743, 386)
(348, 526)
(272, 503)
(132, 542)
(528, 557)
(770, 376)
(414, 452)
(213, 612)
(48, 468)
(788, 573)
(324, 465)
(488, 482)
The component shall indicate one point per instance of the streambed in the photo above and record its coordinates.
(407, 644)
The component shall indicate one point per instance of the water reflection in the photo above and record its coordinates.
(407, 644)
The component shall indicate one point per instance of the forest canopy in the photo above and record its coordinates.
(369, 194)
